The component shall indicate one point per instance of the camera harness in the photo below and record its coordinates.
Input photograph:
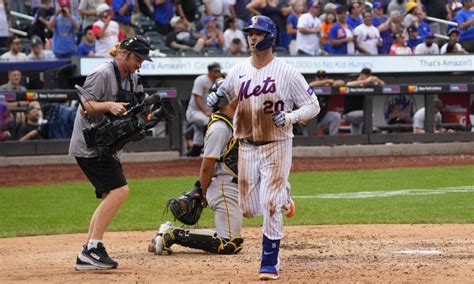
(113, 133)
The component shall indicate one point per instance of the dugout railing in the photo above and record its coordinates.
(171, 140)
(174, 128)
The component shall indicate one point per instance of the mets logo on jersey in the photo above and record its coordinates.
(267, 86)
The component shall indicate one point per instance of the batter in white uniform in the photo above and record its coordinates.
(266, 90)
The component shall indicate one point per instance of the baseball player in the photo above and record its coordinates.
(198, 112)
(266, 91)
(218, 179)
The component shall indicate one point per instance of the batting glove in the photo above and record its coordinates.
(214, 98)
(283, 119)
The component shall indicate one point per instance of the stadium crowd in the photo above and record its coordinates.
(64, 28)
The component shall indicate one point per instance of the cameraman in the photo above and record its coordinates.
(112, 88)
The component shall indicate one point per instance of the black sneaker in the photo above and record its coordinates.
(84, 266)
(98, 257)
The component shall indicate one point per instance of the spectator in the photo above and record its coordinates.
(228, 10)
(14, 82)
(87, 46)
(292, 25)
(163, 11)
(123, 10)
(341, 36)
(411, 9)
(187, 10)
(40, 24)
(453, 6)
(241, 12)
(327, 24)
(329, 7)
(88, 11)
(4, 25)
(309, 31)
(215, 8)
(354, 19)
(198, 111)
(423, 26)
(213, 37)
(399, 46)
(235, 47)
(327, 119)
(181, 38)
(454, 41)
(106, 31)
(15, 53)
(465, 20)
(146, 7)
(437, 9)
(367, 36)
(413, 38)
(419, 118)
(383, 24)
(275, 11)
(31, 129)
(427, 47)
(354, 105)
(396, 5)
(232, 33)
(396, 22)
(65, 26)
(38, 52)
(5, 122)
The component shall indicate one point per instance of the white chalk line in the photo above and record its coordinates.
(401, 192)
(418, 251)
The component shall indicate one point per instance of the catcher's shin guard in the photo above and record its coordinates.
(208, 242)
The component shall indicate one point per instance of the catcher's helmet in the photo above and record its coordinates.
(264, 24)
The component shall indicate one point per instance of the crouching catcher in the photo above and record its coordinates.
(216, 188)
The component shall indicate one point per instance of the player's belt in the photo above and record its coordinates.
(256, 143)
(233, 180)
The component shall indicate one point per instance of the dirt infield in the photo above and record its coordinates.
(339, 253)
(356, 253)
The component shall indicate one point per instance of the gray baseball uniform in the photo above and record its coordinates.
(193, 114)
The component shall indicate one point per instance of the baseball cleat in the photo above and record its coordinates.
(289, 207)
(164, 239)
(268, 273)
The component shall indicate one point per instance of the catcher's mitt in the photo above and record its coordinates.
(188, 207)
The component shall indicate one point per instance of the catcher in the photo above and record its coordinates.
(217, 187)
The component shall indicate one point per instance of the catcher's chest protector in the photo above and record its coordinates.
(231, 155)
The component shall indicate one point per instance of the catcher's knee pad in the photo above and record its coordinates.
(210, 243)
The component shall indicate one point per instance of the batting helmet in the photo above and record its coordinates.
(264, 24)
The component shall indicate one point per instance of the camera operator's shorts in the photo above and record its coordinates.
(106, 173)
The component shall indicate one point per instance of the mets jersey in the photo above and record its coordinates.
(261, 92)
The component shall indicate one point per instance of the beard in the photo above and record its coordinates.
(429, 44)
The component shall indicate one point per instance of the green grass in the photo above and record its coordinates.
(66, 208)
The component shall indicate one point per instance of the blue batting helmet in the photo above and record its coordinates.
(264, 24)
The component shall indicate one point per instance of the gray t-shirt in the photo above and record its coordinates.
(215, 144)
(201, 88)
(101, 86)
